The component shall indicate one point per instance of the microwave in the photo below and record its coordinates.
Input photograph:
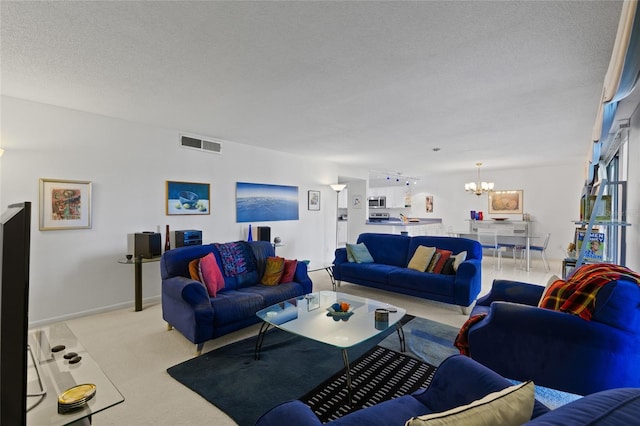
(377, 202)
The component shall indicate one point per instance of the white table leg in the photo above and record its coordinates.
(528, 253)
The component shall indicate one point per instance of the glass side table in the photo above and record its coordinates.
(49, 374)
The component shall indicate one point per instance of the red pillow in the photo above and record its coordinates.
(444, 255)
(210, 274)
(289, 270)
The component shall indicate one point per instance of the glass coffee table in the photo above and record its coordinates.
(307, 316)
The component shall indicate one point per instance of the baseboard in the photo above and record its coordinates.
(99, 310)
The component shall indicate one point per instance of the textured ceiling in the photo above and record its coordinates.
(375, 85)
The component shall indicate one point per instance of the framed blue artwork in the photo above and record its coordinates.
(187, 198)
(256, 202)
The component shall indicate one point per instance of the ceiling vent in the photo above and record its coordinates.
(201, 144)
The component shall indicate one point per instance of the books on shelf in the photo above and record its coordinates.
(595, 250)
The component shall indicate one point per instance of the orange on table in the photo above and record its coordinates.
(344, 306)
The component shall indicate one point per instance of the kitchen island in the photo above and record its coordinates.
(415, 227)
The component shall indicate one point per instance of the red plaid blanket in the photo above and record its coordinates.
(577, 295)
(462, 339)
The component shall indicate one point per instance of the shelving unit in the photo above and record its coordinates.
(614, 229)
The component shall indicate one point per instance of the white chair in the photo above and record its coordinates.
(488, 239)
(542, 249)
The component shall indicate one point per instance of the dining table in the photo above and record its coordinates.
(509, 240)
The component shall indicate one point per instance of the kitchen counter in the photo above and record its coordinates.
(401, 223)
(423, 227)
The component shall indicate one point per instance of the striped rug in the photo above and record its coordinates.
(379, 375)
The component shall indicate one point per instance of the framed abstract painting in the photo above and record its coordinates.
(64, 204)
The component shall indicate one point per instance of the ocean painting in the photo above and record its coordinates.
(257, 202)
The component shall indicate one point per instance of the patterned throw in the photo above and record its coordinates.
(576, 296)
(237, 258)
(462, 339)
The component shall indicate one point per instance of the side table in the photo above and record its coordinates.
(49, 374)
(137, 281)
(313, 266)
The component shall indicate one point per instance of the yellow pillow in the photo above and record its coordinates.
(421, 258)
(511, 406)
(273, 271)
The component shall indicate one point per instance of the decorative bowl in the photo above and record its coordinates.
(339, 314)
(189, 198)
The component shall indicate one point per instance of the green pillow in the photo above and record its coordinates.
(359, 253)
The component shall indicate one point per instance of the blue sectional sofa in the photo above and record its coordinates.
(460, 380)
(556, 349)
(187, 307)
(391, 254)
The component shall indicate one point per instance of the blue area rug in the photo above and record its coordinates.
(289, 367)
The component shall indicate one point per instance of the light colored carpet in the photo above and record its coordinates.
(134, 349)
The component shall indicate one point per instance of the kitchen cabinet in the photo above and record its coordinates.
(396, 196)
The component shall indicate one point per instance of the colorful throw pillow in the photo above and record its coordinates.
(273, 270)
(421, 258)
(434, 260)
(289, 271)
(194, 269)
(511, 406)
(447, 269)
(444, 256)
(210, 274)
(458, 259)
(360, 253)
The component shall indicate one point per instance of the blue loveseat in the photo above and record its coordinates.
(460, 380)
(555, 349)
(187, 307)
(391, 254)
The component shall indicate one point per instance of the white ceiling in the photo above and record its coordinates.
(375, 85)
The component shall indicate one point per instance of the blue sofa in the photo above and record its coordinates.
(391, 254)
(458, 381)
(555, 349)
(187, 307)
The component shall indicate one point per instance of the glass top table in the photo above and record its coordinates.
(315, 265)
(49, 374)
(307, 316)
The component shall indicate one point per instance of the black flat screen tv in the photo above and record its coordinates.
(15, 242)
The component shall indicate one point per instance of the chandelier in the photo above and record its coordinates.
(478, 187)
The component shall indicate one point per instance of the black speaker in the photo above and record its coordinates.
(147, 245)
(264, 233)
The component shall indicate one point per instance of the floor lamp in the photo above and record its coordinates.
(337, 187)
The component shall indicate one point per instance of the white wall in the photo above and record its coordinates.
(76, 271)
(551, 196)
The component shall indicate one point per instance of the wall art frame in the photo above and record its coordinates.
(428, 204)
(313, 200)
(187, 198)
(259, 202)
(506, 201)
(64, 204)
(356, 201)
